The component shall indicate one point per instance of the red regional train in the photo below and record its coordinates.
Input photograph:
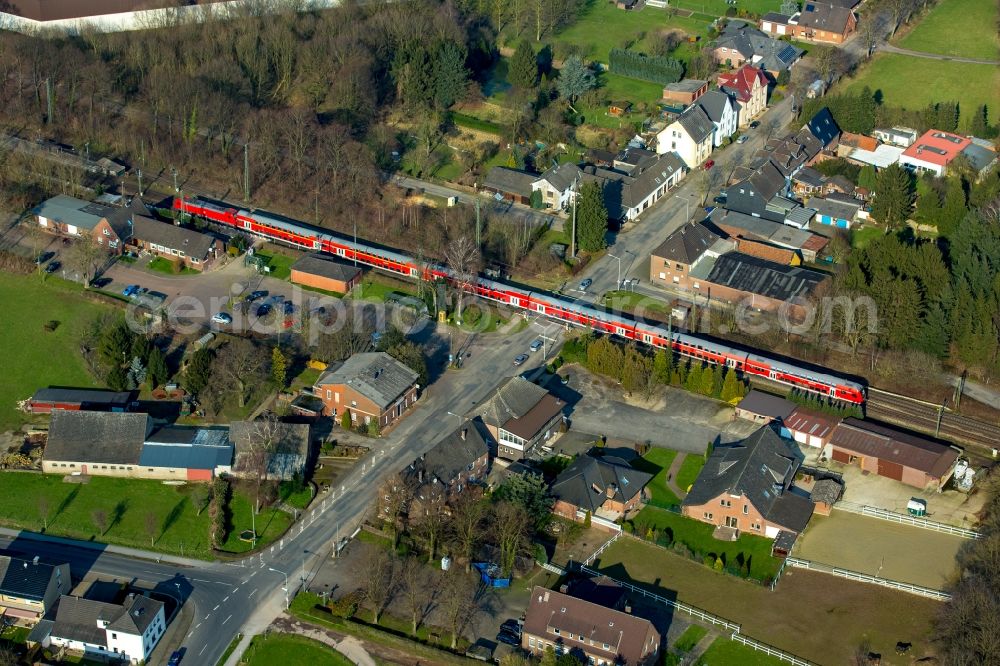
(308, 237)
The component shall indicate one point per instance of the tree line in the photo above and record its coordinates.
(658, 69)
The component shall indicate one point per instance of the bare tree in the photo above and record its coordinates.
(393, 501)
(829, 62)
(416, 588)
(43, 510)
(430, 527)
(87, 257)
(468, 512)
(871, 29)
(379, 583)
(241, 364)
(100, 518)
(257, 444)
(463, 256)
(458, 602)
(152, 524)
(899, 12)
(771, 125)
(510, 530)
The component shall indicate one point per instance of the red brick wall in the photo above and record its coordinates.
(325, 283)
(719, 513)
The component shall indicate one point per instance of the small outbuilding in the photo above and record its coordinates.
(761, 407)
(319, 272)
(824, 495)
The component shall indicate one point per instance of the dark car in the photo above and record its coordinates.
(508, 637)
(264, 310)
(100, 282)
(43, 257)
(512, 626)
(585, 284)
(256, 296)
(53, 267)
(520, 358)
(721, 199)
(289, 307)
(175, 658)
(755, 124)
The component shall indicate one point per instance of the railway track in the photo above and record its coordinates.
(931, 419)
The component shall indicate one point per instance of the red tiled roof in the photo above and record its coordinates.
(859, 141)
(741, 81)
(937, 147)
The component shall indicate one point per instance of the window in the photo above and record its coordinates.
(746, 509)
(329, 394)
(708, 516)
(555, 631)
(106, 232)
(114, 635)
(336, 397)
(676, 279)
(354, 403)
(531, 642)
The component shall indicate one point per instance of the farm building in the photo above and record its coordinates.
(72, 399)
(810, 428)
(919, 462)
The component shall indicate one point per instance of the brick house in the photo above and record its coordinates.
(511, 184)
(764, 408)
(747, 487)
(30, 589)
(192, 249)
(748, 86)
(605, 487)
(457, 462)
(519, 415)
(372, 385)
(313, 270)
(820, 22)
(671, 263)
(742, 43)
(685, 91)
(604, 636)
(108, 226)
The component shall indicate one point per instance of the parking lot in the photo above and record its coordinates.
(878, 547)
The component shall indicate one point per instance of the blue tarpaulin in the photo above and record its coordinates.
(490, 574)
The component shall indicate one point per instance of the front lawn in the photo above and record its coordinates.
(165, 266)
(691, 636)
(657, 462)
(278, 265)
(749, 553)
(689, 471)
(938, 32)
(34, 357)
(719, 7)
(726, 652)
(125, 507)
(276, 648)
(864, 235)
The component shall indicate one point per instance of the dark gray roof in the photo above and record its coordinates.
(514, 181)
(288, 442)
(520, 407)
(587, 482)
(824, 16)
(766, 181)
(809, 176)
(760, 468)
(561, 177)
(686, 85)
(375, 375)
(140, 611)
(633, 160)
(823, 127)
(686, 244)
(753, 275)
(838, 210)
(980, 158)
(97, 437)
(192, 243)
(315, 264)
(623, 192)
(187, 448)
(773, 55)
(696, 123)
(122, 218)
(452, 454)
(23, 579)
(83, 396)
(775, 17)
(826, 490)
(714, 104)
(76, 618)
(70, 210)
(766, 404)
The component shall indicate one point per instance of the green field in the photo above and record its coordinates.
(964, 28)
(913, 83)
(719, 7)
(697, 536)
(25, 497)
(277, 648)
(161, 265)
(691, 636)
(864, 235)
(689, 471)
(280, 264)
(658, 462)
(726, 652)
(33, 357)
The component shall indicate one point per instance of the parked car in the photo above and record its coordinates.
(535, 346)
(130, 290)
(511, 625)
(520, 358)
(222, 318)
(755, 124)
(585, 284)
(708, 165)
(264, 309)
(100, 282)
(256, 296)
(53, 267)
(43, 257)
(743, 139)
(721, 199)
(508, 637)
(288, 307)
(175, 658)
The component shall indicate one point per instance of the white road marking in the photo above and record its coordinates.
(251, 575)
(253, 593)
(208, 616)
(225, 600)
(202, 649)
(189, 633)
(197, 625)
(216, 608)
(226, 620)
(235, 590)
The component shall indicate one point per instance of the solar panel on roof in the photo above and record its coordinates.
(787, 54)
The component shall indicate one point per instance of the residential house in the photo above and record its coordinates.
(914, 460)
(690, 136)
(748, 487)
(764, 408)
(628, 194)
(748, 86)
(671, 263)
(819, 21)
(29, 589)
(606, 488)
(47, 400)
(459, 460)
(603, 636)
(738, 278)
(319, 272)
(808, 180)
(282, 450)
(751, 195)
(778, 255)
(511, 184)
(903, 137)
(739, 225)
(108, 226)
(980, 159)
(519, 415)
(105, 631)
(742, 43)
(851, 140)
(824, 495)
(835, 212)
(190, 248)
(810, 428)
(371, 385)
(685, 91)
(557, 185)
(124, 444)
(933, 152)
(721, 110)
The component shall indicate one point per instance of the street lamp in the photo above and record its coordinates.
(285, 588)
(619, 260)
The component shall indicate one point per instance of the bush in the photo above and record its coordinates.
(471, 314)
(51, 325)
(346, 606)
(345, 420)
(709, 560)
(541, 555)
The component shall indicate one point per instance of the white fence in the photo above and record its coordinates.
(868, 578)
(907, 519)
(604, 547)
(770, 650)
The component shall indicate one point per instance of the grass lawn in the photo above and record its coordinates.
(864, 235)
(299, 498)
(719, 7)
(377, 288)
(689, 470)
(788, 617)
(279, 263)
(36, 358)
(25, 497)
(913, 83)
(690, 638)
(965, 28)
(657, 462)
(697, 536)
(615, 88)
(726, 652)
(161, 265)
(275, 648)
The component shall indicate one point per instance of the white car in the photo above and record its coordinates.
(222, 318)
(743, 139)
(535, 346)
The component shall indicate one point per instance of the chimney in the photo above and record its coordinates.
(564, 588)
(628, 607)
(420, 475)
(35, 560)
(546, 597)
(464, 430)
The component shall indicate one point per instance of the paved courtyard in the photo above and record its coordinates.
(878, 547)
